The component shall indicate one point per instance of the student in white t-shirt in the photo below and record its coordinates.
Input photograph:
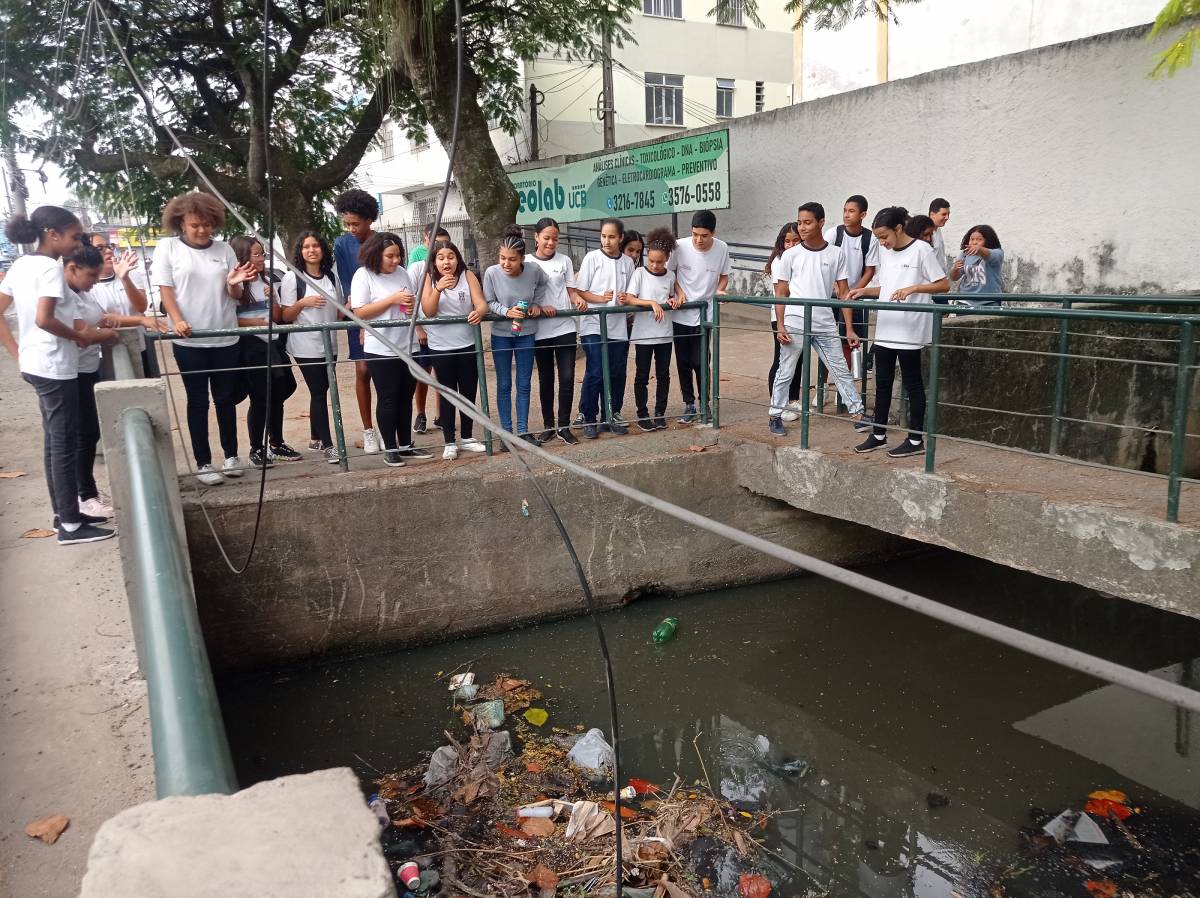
(701, 267)
(50, 338)
(416, 268)
(787, 237)
(301, 302)
(120, 290)
(652, 287)
(199, 282)
(456, 293)
(909, 274)
(861, 251)
(557, 337)
(939, 213)
(602, 278)
(381, 290)
(813, 269)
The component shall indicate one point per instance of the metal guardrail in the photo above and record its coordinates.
(1067, 312)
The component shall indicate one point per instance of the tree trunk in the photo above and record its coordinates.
(292, 212)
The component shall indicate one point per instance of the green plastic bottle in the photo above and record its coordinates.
(665, 631)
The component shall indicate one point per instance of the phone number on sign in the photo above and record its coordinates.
(704, 192)
(632, 202)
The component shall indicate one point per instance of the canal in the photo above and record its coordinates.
(841, 711)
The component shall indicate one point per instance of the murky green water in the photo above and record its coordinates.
(884, 705)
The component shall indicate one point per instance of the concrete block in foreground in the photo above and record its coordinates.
(305, 836)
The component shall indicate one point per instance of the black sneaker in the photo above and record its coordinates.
(84, 519)
(437, 422)
(660, 423)
(871, 443)
(420, 425)
(87, 533)
(689, 413)
(530, 438)
(579, 421)
(907, 448)
(863, 424)
(284, 452)
(775, 425)
(645, 424)
(617, 426)
(391, 458)
(414, 452)
(564, 434)
(260, 459)
(547, 435)
(590, 432)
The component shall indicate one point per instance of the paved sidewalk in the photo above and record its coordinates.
(74, 732)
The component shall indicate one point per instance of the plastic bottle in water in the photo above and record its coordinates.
(379, 808)
(665, 631)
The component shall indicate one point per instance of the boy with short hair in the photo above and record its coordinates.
(939, 212)
(701, 267)
(860, 249)
(358, 211)
(812, 268)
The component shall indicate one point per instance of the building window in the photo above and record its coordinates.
(667, 9)
(724, 98)
(387, 147)
(732, 13)
(425, 210)
(664, 99)
(760, 96)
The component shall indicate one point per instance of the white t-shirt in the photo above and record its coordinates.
(308, 345)
(416, 269)
(660, 288)
(939, 247)
(198, 278)
(699, 274)
(453, 303)
(775, 276)
(810, 274)
(42, 354)
(368, 287)
(560, 272)
(915, 264)
(852, 251)
(599, 273)
(111, 296)
(90, 312)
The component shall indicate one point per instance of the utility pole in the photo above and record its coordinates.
(16, 178)
(536, 99)
(608, 102)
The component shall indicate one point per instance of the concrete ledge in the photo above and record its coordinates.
(307, 836)
(1091, 543)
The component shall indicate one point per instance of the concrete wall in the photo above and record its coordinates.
(362, 561)
(1068, 151)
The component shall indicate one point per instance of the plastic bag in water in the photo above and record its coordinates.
(592, 752)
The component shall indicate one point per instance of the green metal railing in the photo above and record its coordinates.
(1066, 312)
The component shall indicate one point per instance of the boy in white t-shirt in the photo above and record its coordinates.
(939, 213)
(861, 251)
(813, 269)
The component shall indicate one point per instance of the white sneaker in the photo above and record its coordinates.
(370, 441)
(470, 444)
(450, 452)
(791, 411)
(232, 467)
(96, 507)
(208, 476)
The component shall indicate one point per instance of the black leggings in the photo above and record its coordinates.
(660, 353)
(394, 385)
(914, 387)
(283, 385)
(548, 353)
(202, 369)
(794, 386)
(316, 378)
(89, 436)
(687, 360)
(455, 369)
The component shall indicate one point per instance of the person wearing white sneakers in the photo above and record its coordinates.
(200, 281)
(47, 353)
(453, 291)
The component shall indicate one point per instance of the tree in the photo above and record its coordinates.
(1179, 54)
(334, 71)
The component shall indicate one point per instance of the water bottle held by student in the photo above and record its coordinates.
(665, 631)
(523, 305)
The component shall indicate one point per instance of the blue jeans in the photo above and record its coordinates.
(829, 348)
(593, 375)
(503, 348)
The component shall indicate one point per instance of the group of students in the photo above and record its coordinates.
(906, 256)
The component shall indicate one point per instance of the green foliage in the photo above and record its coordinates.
(822, 14)
(1179, 54)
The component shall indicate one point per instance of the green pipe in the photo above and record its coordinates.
(605, 375)
(716, 367)
(1183, 390)
(481, 371)
(1060, 381)
(805, 358)
(705, 408)
(931, 406)
(191, 754)
(335, 400)
(122, 364)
